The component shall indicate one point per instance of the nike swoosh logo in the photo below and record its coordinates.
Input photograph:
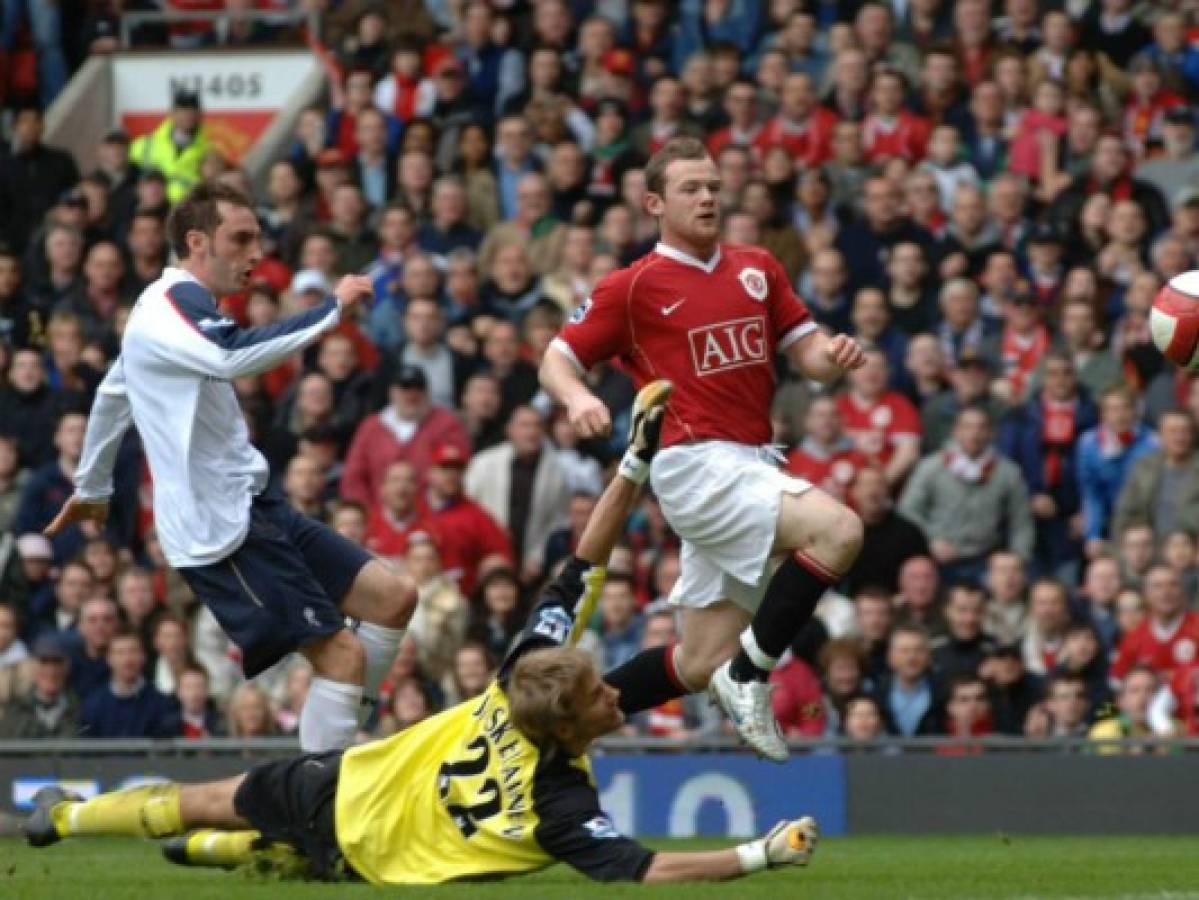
(667, 310)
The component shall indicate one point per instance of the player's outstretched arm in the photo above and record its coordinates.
(825, 357)
(221, 348)
(107, 422)
(787, 844)
(562, 380)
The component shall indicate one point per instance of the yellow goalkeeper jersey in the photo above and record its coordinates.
(465, 795)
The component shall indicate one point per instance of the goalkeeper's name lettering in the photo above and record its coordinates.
(498, 726)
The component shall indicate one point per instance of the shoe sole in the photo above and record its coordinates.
(714, 696)
(39, 827)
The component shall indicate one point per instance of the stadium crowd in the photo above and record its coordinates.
(988, 195)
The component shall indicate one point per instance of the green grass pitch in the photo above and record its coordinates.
(889, 868)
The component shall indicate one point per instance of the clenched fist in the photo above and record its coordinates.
(351, 290)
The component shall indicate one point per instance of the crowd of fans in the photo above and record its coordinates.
(988, 195)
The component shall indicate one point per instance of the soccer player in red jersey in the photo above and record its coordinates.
(711, 317)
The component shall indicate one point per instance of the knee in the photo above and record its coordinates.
(339, 657)
(840, 539)
(395, 601)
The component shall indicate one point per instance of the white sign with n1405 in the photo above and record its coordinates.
(224, 81)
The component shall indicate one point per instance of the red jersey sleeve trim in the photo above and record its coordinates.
(802, 330)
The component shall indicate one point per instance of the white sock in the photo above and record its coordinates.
(329, 719)
(381, 645)
(756, 654)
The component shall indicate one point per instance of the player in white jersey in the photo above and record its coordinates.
(276, 580)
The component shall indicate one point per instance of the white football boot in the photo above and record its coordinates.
(747, 704)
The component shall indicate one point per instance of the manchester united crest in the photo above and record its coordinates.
(754, 282)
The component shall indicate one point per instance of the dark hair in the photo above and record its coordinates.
(200, 211)
(689, 148)
(964, 679)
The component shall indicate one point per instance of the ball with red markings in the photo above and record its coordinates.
(1174, 320)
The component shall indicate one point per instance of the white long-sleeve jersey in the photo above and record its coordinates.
(172, 380)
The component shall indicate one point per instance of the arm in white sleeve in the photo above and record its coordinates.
(107, 423)
(210, 344)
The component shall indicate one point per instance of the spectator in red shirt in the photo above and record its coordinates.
(469, 539)
(797, 699)
(394, 518)
(890, 130)
(826, 456)
(968, 714)
(409, 428)
(802, 126)
(1169, 636)
(883, 424)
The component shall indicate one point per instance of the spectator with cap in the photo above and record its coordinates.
(969, 500)
(127, 705)
(25, 581)
(470, 539)
(409, 428)
(177, 146)
(32, 177)
(47, 708)
(522, 485)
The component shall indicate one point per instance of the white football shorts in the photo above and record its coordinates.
(722, 499)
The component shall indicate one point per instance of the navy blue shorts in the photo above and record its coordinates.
(281, 589)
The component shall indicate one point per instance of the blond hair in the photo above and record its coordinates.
(541, 691)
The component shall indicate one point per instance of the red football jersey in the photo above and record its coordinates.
(389, 538)
(467, 534)
(810, 143)
(1163, 653)
(905, 137)
(875, 430)
(832, 474)
(712, 328)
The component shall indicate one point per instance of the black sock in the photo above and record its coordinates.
(790, 600)
(645, 681)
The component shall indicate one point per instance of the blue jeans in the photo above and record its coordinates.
(45, 23)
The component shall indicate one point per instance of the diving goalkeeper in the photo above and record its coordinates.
(497, 785)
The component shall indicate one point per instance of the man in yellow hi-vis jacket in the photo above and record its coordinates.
(177, 146)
